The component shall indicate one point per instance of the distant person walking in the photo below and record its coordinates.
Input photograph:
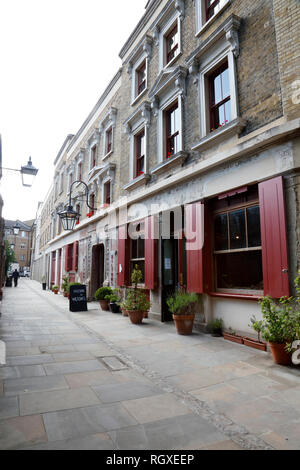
(16, 276)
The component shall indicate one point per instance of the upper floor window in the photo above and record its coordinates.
(80, 170)
(92, 204)
(141, 78)
(23, 246)
(109, 140)
(219, 93)
(172, 128)
(94, 156)
(172, 43)
(107, 193)
(140, 153)
(212, 7)
(23, 234)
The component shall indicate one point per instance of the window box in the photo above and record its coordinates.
(174, 161)
(234, 127)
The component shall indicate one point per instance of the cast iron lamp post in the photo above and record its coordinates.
(69, 217)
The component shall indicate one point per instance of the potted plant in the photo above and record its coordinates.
(257, 326)
(65, 286)
(55, 289)
(114, 301)
(182, 305)
(216, 328)
(231, 335)
(101, 294)
(44, 285)
(136, 302)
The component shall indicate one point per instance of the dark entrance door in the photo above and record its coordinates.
(169, 274)
(97, 268)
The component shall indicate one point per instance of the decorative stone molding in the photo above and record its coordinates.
(145, 47)
(175, 161)
(137, 182)
(144, 112)
(194, 71)
(109, 120)
(179, 6)
(175, 77)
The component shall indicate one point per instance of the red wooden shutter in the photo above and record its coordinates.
(53, 267)
(75, 256)
(274, 238)
(151, 253)
(194, 247)
(123, 257)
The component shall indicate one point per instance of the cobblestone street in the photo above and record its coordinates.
(94, 381)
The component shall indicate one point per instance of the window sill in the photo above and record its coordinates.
(176, 160)
(137, 98)
(169, 64)
(208, 23)
(139, 181)
(107, 155)
(254, 297)
(232, 128)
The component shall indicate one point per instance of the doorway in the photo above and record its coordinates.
(97, 278)
(170, 278)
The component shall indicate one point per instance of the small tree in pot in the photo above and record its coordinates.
(65, 286)
(101, 295)
(136, 303)
(114, 301)
(182, 305)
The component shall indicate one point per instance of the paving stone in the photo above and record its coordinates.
(59, 348)
(73, 367)
(16, 432)
(286, 438)
(157, 407)
(125, 391)
(29, 360)
(1, 388)
(89, 420)
(72, 356)
(113, 363)
(221, 396)
(9, 407)
(32, 351)
(93, 442)
(86, 379)
(224, 445)
(21, 371)
(43, 402)
(180, 432)
(34, 384)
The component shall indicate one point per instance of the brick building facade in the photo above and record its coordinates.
(202, 120)
(20, 242)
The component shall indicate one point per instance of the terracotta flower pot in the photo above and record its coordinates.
(252, 343)
(234, 338)
(55, 292)
(136, 316)
(146, 314)
(104, 305)
(280, 355)
(124, 312)
(184, 324)
(65, 294)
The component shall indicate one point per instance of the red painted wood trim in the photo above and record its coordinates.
(151, 271)
(194, 257)
(123, 257)
(235, 296)
(274, 238)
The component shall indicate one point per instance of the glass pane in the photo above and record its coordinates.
(134, 249)
(253, 219)
(227, 112)
(225, 84)
(141, 248)
(168, 263)
(240, 270)
(174, 121)
(221, 118)
(237, 225)
(221, 232)
(217, 89)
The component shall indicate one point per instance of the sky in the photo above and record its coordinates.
(56, 59)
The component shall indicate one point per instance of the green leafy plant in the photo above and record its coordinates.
(114, 297)
(182, 303)
(256, 325)
(216, 326)
(10, 257)
(65, 285)
(136, 299)
(281, 318)
(55, 288)
(102, 292)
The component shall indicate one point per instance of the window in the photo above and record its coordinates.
(219, 97)
(141, 78)
(23, 246)
(107, 196)
(137, 251)
(237, 243)
(23, 234)
(109, 137)
(172, 44)
(78, 211)
(213, 7)
(92, 204)
(140, 154)
(22, 258)
(172, 128)
(94, 156)
(80, 170)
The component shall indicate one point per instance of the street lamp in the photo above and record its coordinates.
(28, 173)
(16, 229)
(69, 217)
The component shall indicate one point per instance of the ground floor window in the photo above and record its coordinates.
(237, 249)
(137, 250)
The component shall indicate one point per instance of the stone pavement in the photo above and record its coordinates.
(94, 381)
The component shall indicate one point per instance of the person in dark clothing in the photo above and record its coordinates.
(16, 276)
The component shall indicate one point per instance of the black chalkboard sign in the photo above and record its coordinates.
(78, 302)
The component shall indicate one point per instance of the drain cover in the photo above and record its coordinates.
(113, 363)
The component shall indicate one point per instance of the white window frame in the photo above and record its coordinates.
(108, 122)
(134, 82)
(201, 23)
(106, 154)
(162, 41)
(165, 103)
(137, 129)
(207, 67)
(108, 179)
